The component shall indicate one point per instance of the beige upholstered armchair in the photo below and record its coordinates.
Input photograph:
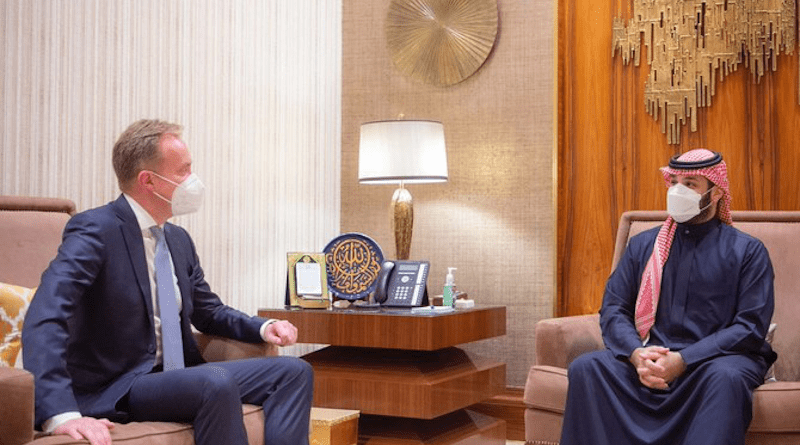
(30, 233)
(776, 405)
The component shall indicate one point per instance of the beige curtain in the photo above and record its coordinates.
(257, 85)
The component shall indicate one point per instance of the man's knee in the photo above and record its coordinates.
(302, 370)
(724, 375)
(305, 369)
(301, 376)
(217, 382)
(725, 382)
(293, 367)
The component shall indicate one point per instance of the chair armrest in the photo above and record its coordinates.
(220, 349)
(16, 408)
(546, 388)
(559, 341)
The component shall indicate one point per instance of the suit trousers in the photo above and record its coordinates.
(210, 396)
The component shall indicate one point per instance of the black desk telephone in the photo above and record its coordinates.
(402, 283)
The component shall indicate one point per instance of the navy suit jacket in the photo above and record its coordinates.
(89, 330)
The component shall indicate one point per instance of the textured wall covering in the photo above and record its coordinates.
(257, 85)
(495, 218)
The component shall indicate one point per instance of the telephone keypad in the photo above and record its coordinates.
(402, 292)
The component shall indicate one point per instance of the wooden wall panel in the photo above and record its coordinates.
(610, 149)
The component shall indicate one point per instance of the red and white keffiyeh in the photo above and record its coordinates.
(650, 287)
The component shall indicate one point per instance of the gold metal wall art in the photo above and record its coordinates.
(440, 42)
(692, 42)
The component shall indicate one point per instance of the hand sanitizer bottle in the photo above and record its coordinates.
(449, 288)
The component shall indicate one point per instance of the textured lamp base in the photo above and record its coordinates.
(402, 215)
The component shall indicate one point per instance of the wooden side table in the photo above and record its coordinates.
(404, 372)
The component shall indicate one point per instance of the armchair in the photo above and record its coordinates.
(776, 405)
(30, 233)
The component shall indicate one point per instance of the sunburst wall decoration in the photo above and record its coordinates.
(691, 42)
(440, 42)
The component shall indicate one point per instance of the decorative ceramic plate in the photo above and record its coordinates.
(353, 261)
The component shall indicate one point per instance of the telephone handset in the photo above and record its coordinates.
(403, 283)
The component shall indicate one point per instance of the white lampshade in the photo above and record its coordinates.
(407, 151)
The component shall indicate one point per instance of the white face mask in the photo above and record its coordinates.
(188, 195)
(683, 203)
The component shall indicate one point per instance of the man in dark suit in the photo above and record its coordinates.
(108, 333)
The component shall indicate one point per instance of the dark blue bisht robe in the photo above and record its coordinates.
(715, 307)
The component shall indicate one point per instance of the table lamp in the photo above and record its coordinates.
(402, 152)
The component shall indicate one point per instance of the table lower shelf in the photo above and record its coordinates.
(409, 384)
(462, 427)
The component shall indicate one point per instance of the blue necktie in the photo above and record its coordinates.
(171, 342)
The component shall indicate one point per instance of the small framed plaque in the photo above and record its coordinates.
(307, 280)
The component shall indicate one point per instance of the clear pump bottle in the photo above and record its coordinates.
(448, 294)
